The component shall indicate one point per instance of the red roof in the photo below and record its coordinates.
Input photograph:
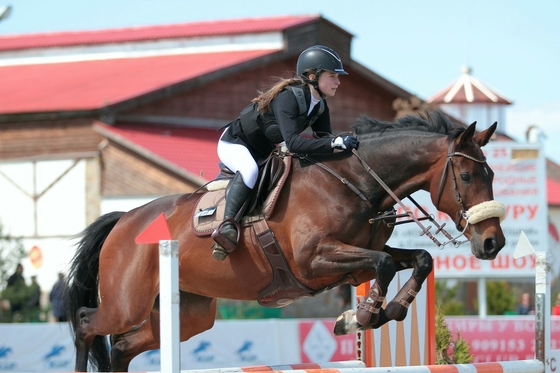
(192, 149)
(194, 29)
(467, 90)
(553, 192)
(88, 85)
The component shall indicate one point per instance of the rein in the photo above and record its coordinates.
(391, 214)
(410, 214)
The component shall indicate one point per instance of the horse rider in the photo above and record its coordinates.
(278, 115)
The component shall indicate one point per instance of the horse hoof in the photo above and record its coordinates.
(219, 253)
(346, 323)
(395, 311)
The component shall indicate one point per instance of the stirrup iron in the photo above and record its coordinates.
(224, 245)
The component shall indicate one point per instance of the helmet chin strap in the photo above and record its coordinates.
(314, 83)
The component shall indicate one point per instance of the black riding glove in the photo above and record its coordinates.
(345, 142)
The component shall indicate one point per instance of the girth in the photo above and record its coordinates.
(284, 288)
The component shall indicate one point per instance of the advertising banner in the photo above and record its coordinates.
(501, 338)
(36, 348)
(318, 343)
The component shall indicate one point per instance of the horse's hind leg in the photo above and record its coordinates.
(128, 345)
(85, 341)
(197, 314)
(82, 345)
(421, 262)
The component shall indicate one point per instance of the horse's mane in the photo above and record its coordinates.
(431, 121)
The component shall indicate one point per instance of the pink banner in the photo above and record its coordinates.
(501, 338)
(318, 343)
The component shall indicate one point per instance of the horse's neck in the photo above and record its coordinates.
(404, 163)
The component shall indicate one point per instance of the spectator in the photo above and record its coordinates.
(34, 300)
(16, 293)
(525, 307)
(57, 298)
(16, 277)
(556, 308)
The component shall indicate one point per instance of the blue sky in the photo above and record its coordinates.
(513, 46)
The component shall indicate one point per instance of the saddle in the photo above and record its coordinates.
(273, 173)
(284, 287)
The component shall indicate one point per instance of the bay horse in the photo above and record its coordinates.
(327, 230)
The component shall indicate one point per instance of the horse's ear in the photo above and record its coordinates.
(483, 137)
(467, 135)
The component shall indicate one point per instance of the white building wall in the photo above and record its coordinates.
(43, 198)
(43, 202)
(484, 114)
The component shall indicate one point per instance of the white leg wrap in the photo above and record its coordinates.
(486, 210)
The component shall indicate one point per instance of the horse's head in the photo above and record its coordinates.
(465, 193)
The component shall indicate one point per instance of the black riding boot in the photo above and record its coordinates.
(236, 196)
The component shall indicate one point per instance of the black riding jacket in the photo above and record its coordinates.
(284, 111)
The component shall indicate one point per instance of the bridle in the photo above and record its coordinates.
(449, 164)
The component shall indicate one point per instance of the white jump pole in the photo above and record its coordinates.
(543, 351)
(543, 348)
(169, 306)
(542, 288)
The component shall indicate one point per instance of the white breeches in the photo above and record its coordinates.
(238, 158)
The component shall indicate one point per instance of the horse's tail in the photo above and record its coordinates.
(83, 283)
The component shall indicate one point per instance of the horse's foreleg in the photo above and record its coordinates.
(369, 314)
(421, 262)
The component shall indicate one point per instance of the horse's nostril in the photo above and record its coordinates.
(490, 247)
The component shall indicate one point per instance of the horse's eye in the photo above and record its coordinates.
(466, 177)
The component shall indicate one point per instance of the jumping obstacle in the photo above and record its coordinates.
(406, 343)
(333, 366)
(523, 366)
(158, 232)
(169, 306)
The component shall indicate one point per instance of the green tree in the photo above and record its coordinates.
(449, 351)
(446, 299)
(11, 253)
(499, 297)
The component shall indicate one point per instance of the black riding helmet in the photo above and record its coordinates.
(316, 59)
